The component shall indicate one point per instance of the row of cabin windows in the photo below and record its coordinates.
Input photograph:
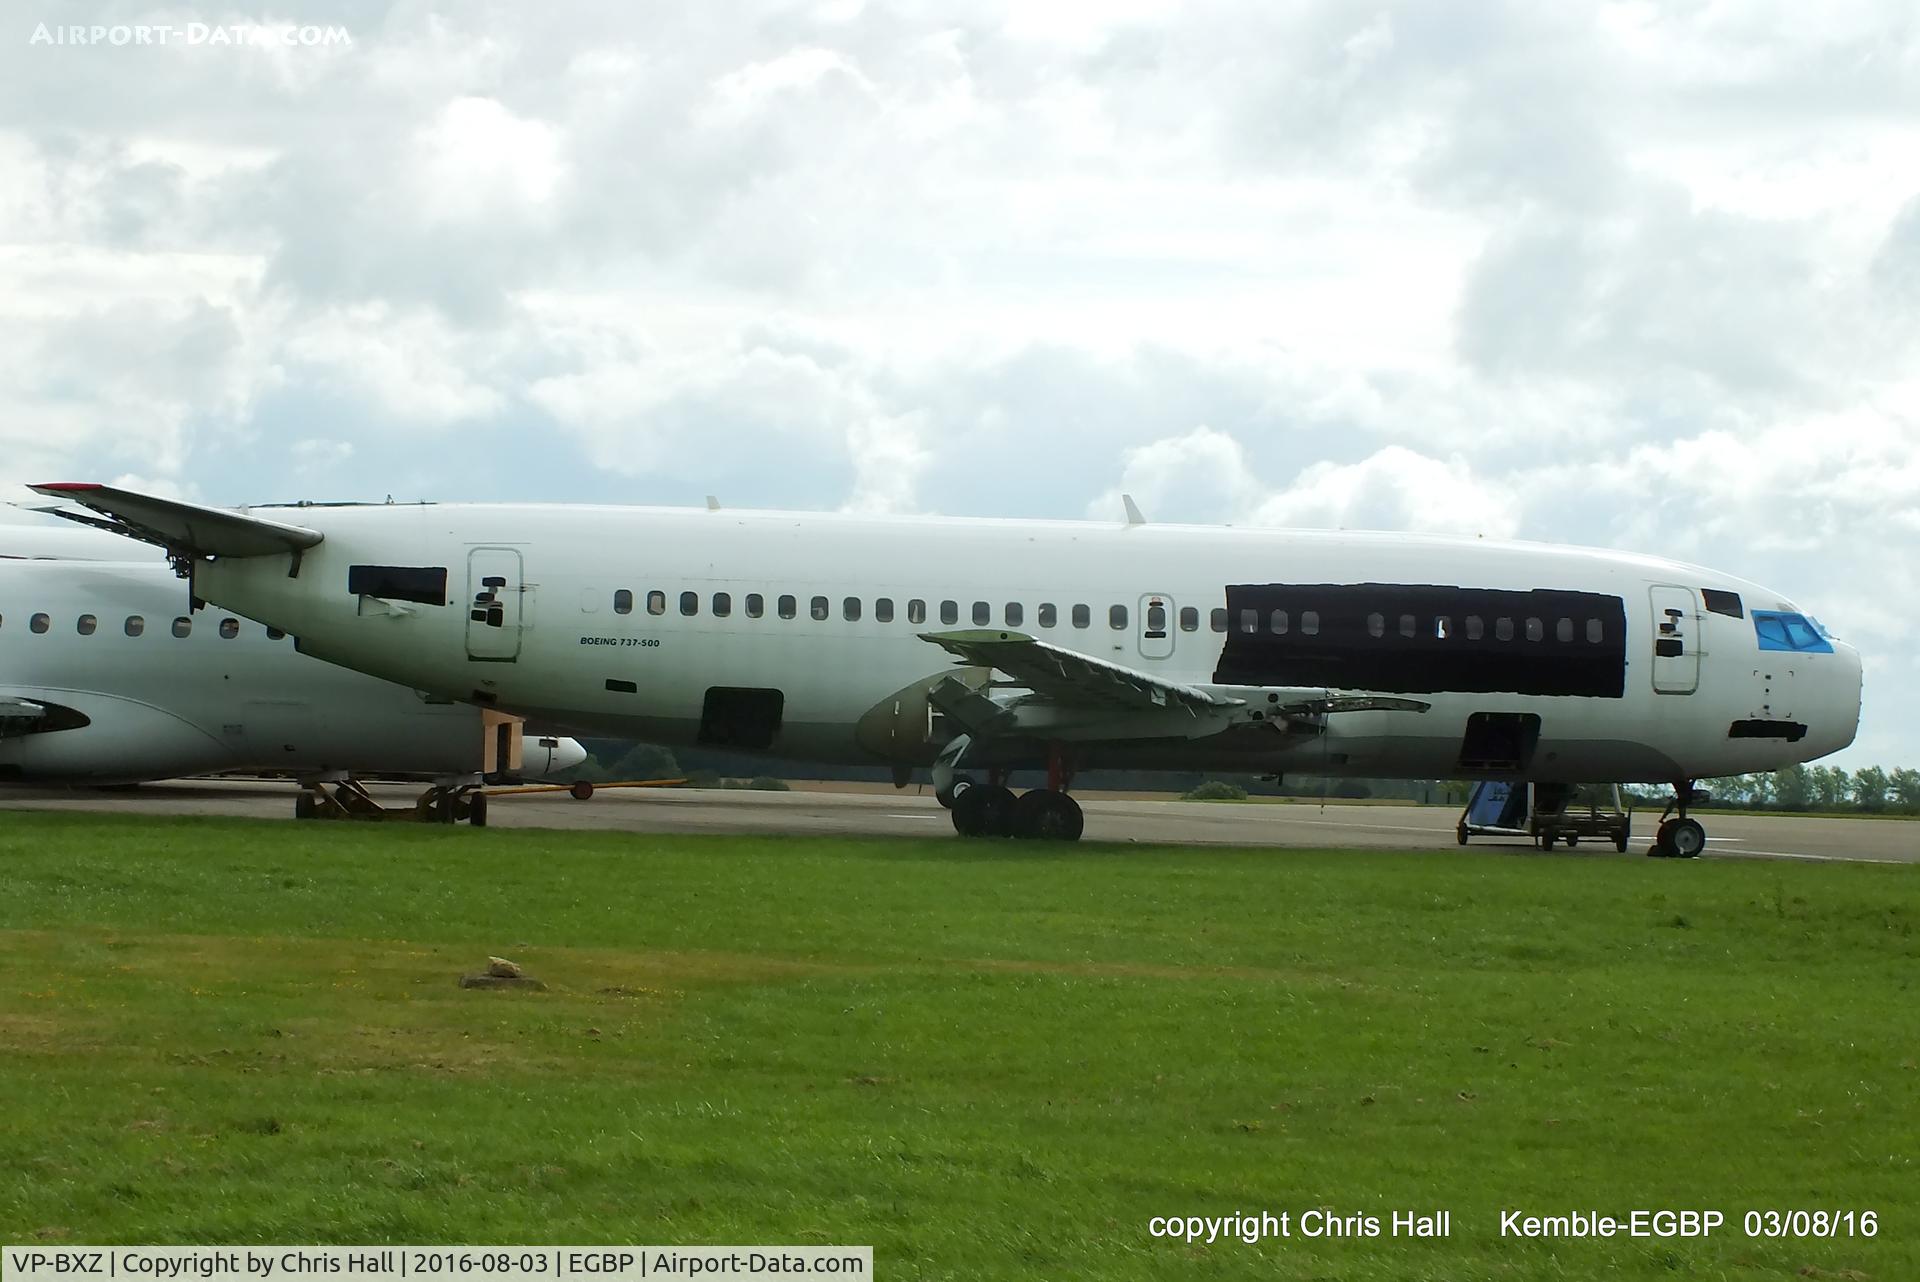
(1440, 627)
(136, 625)
(1013, 614)
(853, 609)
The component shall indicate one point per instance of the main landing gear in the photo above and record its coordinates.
(992, 810)
(1679, 837)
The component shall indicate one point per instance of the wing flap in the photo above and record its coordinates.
(1071, 676)
(190, 529)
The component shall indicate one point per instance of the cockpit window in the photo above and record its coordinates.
(1779, 630)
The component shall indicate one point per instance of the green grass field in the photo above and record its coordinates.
(986, 1059)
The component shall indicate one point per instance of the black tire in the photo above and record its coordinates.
(581, 789)
(1660, 849)
(1460, 834)
(1621, 838)
(477, 810)
(1686, 839)
(1045, 815)
(969, 807)
(304, 806)
(1573, 840)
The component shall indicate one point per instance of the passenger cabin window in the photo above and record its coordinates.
(40, 623)
(1015, 614)
(1535, 630)
(1217, 619)
(949, 612)
(1406, 626)
(982, 612)
(275, 634)
(1376, 625)
(817, 608)
(1503, 629)
(756, 605)
(850, 609)
(183, 626)
(883, 610)
(1563, 630)
(1249, 620)
(623, 601)
(689, 603)
(229, 629)
(1117, 617)
(916, 611)
(1082, 617)
(1048, 614)
(1309, 623)
(1475, 628)
(722, 604)
(1277, 623)
(135, 625)
(1189, 619)
(789, 607)
(85, 624)
(1596, 633)
(656, 602)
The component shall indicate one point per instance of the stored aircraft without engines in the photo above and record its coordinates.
(980, 647)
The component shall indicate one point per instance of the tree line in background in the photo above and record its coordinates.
(1871, 790)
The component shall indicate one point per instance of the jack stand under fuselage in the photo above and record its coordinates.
(448, 801)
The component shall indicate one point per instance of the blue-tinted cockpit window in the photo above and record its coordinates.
(1778, 630)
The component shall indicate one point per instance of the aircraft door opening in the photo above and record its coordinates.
(1676, 641)
(494, 604)
(1156, 626)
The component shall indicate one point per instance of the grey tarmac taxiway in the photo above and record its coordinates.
(913, 813)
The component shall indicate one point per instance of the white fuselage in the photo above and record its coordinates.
(131, 698)
(571, 630)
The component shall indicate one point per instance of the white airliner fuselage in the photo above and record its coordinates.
(833, 637)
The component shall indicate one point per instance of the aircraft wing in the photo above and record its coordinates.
(189, 529)
(1071, 677)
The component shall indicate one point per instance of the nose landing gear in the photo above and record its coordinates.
(1679, 837)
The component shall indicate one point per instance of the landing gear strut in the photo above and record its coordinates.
(991, 810)
(1679, 837)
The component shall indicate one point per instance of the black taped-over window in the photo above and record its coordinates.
(426, 584)
(1723, 602)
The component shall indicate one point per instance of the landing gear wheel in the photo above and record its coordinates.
(1460, 834)
(1048, 816)
(477, 810)
(1621, 838)
(304, 806)
(1685, 838)
(983, 810)
(581, 790)
(1572, 840)
(946, 796)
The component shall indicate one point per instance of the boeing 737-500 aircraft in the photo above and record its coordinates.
(107, 676)
(992, 646)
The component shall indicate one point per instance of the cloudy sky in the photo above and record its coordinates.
(1636, 275)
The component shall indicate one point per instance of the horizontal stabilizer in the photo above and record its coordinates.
(188, 529)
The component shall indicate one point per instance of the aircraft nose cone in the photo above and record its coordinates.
(1838, 717)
